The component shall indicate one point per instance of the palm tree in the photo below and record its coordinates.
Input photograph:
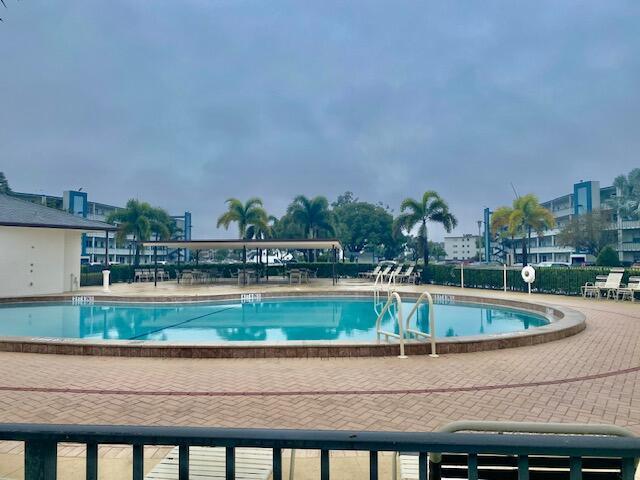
(313, 216)
(140, 220)
(249, 214)
(430, 208)
(526, 215)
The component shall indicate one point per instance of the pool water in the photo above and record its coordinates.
(274, 320)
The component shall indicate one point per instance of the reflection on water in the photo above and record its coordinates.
(277, 320)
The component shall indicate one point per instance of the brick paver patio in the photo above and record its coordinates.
(591, 377)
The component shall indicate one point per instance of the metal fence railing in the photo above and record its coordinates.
(41, 447)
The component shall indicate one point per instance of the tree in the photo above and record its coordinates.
(361, 223)
(587, 233)
(608, 257)
(430, 208)
(4, 184)
(313, 215)
(526, 215)
(627, 200)
(249, 214)
(140, 220)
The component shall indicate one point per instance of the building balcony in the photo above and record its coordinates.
(631, 246)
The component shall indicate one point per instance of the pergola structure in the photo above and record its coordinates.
(244, 245)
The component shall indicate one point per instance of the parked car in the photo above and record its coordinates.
(553, 264)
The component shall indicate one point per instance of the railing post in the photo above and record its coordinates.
(92, 461)
(423, 458)
(230, 462)
(277, 459)
(575, 468)
(523, 467)
(472, 466)
(373, 465)
(40, 460)
(183, 462)
(138, 462)
(324, 465)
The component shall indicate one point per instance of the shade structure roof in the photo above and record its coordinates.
(309, 244)
(15, 212)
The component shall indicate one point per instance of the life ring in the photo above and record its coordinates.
(528, 274)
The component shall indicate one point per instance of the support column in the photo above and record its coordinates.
(40, 460)
(155, 266)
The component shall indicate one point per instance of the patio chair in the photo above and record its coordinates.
(187, 277)
(162, 275)
(137, 275)
(295, 273)
(371, 273)
(611, 286)
(383, 273)
(390, 277)
(628, 292)
(209, 463)
(593, 289)
(404, 276)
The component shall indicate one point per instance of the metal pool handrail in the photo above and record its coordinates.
(41, 446)
(393, 296)
(432, 322)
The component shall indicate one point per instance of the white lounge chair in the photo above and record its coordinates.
(611, 286)
(628, 292)
(209, 463)
(593, 289)
(392, 275)
(406, 275)
(371, 274)
(381, 275)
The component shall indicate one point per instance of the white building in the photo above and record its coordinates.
(465, 247)
(40, 248)
(93, 243)
(587, 196)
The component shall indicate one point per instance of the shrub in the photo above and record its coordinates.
(608, 257)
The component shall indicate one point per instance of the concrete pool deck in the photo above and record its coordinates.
(591, 377)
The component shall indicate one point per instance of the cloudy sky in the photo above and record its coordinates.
(186, 103)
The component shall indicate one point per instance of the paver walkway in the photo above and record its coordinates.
(591, 377)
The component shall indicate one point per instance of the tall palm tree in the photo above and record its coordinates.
(249, 214)
(313, 216)
(140, 220)
(526, 215)
(430, 208)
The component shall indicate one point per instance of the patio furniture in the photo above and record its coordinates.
(390, 277)
(628, 292)
(406, 275)
(187, 277)
(611, 286)
(246, 276)
(593, 289)
(299, 274)
(372, 273)
(209, 463)
(383, 273)
(162, 275)
(137, 275)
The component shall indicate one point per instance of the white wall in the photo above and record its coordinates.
(35, 261)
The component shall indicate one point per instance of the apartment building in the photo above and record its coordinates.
(464, 247)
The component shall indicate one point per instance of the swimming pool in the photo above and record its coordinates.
(270, 321)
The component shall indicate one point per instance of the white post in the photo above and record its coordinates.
(105, 281)
(529, 285)
(462, 275)
(504, 277)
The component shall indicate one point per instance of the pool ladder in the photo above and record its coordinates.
(403, 330)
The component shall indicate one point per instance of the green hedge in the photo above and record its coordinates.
(562, 281)
(92, 275)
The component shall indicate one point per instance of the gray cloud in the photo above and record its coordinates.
(187, 103)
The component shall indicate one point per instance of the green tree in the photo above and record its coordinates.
(526, 215)
(627, 199)
(608, 257)
(140, 220)
(249, 214)
(587, 233)
(361, 223)
(4, 184)
(313, 215)
(418, 213)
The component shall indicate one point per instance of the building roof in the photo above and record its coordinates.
(21, 213)
(301, 243)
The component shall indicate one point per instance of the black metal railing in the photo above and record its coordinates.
(41, 447)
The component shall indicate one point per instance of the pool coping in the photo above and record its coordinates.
(564, 322)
